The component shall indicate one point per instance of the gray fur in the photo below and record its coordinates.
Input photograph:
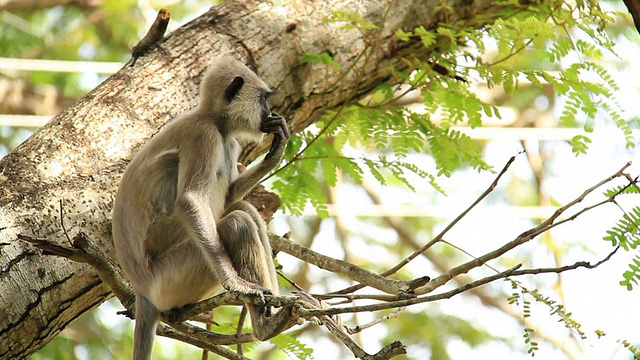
(180, 227)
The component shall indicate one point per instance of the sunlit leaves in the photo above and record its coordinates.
(626, 232)
(573, 61)
(352, 20)
(633, 349)
(579, 144)
(621, 190)
(375, 136)
(524, 297)
(427, 37)
(528, 339)
(292, 347)
(631, 276)
(323, 58)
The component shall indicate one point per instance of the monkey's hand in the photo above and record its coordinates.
(276, 125)
(309, 302)
(245, 287)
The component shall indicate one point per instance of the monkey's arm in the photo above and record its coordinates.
(246, 181)
(195, 173)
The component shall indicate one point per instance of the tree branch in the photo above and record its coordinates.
(83, 253)
(440, 236)
(152, 37)
(344, 268)
(522, 238)
(167, 331)
(514, 271)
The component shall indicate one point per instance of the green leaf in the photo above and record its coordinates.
(580, 144)
(322, 58)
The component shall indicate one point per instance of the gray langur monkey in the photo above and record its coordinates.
(180, 227)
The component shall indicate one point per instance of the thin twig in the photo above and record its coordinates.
(392, 315)
(353, 297)
(208, 336)
(394, 349)
(521, 239)
(408, 302)
(167, 331)
(488, 298)
(455, 221)
(290, 281)
(82, 252)
(439, 237)
(560, 269)
(242, 318)
(349, 270)
(152, 37)
(514, 271)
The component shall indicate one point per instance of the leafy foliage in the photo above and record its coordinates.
(622, 190)
(528, 339)
(384, 134)
(292, 347)
(523, 296)
(323, 58)
(632, 348)
(626, 233)
(632, 275)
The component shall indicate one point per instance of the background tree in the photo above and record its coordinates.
(335, 65)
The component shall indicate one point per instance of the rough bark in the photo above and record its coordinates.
(79, 156)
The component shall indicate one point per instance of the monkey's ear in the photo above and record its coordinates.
(234, 88)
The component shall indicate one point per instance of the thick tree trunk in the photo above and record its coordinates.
(79, 156)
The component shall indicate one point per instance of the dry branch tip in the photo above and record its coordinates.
(152, 37)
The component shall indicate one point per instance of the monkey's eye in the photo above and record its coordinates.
(263, 96)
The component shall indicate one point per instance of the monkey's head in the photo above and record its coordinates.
(235, 94)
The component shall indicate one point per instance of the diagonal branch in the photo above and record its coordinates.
(522, 238)
(167, 331)
(440, 236)
(349, 270)
(514, 271)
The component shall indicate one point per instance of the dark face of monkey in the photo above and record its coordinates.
(257, 99)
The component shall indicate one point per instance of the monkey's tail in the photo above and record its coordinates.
(145, 330)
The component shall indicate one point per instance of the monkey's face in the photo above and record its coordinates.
(232, 92)
(247, 108)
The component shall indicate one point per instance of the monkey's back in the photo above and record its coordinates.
(145, 227)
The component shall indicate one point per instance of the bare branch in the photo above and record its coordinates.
(439, 237)
(487, 298)
(152, 37)
(167, 331)
(522, 238)
(560, 269)
(408, 302)
(82, 252)
(359, 328)
(347, 269)
(208, 336)
(514, 271)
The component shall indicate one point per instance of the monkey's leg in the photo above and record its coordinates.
(240, 236)
(264, 240)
